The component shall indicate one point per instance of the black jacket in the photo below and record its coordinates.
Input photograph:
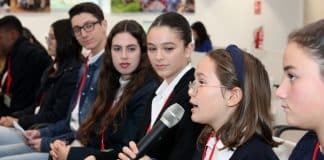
(179, 141)
(53, 96)
(254, 149)
(128, 126)
(304, 149)
(28, 62)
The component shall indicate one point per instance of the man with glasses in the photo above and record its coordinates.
(89, 27)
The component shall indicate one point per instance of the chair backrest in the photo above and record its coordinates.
(284, 150)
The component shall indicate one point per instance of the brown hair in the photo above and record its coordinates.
(67, 46)
(311, 39)
(87, 7)
(253, 113)
(174, 21)
(103, 114)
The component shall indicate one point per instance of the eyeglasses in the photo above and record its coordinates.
(194, 85)
(88, 27)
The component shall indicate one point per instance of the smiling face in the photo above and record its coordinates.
(94, 40)
(210, 104)
(302, 88)
(126, 54)
(167, 52)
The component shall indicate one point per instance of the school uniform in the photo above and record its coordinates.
(53, 96)
(179, 141)
(25, 66)
(307, 149)
(255, 148)
(81, 102)
(82, 99)
(127, 126)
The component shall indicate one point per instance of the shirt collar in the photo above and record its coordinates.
(165, 86)
(220, 145)
(93, 59)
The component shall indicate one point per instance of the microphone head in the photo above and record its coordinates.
(172, 115)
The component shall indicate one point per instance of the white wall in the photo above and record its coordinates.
(314, 10)
(227, 21)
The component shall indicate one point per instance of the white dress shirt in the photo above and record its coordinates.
(163, 93)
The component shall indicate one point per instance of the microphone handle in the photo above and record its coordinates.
(143, 145)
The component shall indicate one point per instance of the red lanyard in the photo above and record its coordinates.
(41, 100)
(102, 143)
(212, 134)
(83, 79)
(148, 130)
(8, 80)
(315, 153)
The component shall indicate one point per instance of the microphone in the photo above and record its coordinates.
(169, 118)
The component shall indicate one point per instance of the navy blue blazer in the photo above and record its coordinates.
(128, 125)
(205, 46)
(178, 142)
(305, 148)
(61, 129)
(55, 93)
(28, 62)
(254, 149)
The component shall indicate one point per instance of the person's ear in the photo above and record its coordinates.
(188, 51)
(104, 24)
(234, 96)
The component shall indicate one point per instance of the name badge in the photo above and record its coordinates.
(7, 100)
(36, 110)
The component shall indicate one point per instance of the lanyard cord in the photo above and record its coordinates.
(315, 153)
(212, 134)
(8, 80)
(83, 79)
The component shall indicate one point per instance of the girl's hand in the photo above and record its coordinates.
(32, 134)
(130, 152)
(90, 158)
(59, 150)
